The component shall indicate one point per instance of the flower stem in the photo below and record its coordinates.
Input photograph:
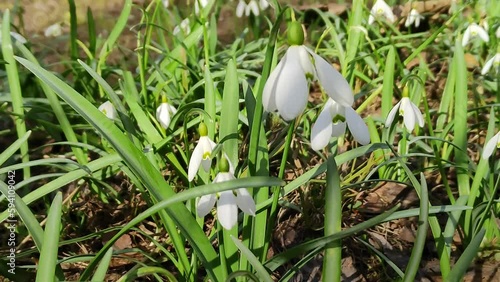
(332, 263)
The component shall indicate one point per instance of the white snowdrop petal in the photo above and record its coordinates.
(245, 201)
(486, 68)
(305, 59)
(253, 7)
(490, 146)
(483, 34)
(392, 115)
(466, 37)
(357, 126)
(263, 4)
(418, 115)
(227, 210)
(240, 9)
(338, 129)
(321, 131)
(205, 204)
(333, 82)
(292, 89)
(408, 114)
(195, 161)
(269, 93)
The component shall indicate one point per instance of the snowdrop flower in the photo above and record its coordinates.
(53, 30)
(332, 122)
(201, 153)
(197, 4)
(410, 112)
(413, 17)
(497, 33)
(287, 89)
(493, 62)
(381, 9)
(165, 3)
(490, 146)
(228, 202)
(108, 109)
(183, 26)
(164, 113)
(472, 31)
(250, 7)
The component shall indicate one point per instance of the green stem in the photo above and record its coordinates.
(332, 262)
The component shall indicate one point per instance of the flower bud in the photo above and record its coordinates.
(295, 33)
(223, 165)
(202, 129)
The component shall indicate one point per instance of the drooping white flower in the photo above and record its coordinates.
(490, 146)
(381, 10)
(165, 3)
(473, 31)
(287, 88)
(493, 62)
(228, 202)
(413, 17)
(184, 26)
(250, 7)
(164, 114)
(53, 30)
(108, 109)
(201, 154)
(332, 122)
(410, 112)
(198, 3)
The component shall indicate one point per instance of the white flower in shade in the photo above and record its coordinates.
(381, 10)
(228, 202)
(493, 62)
(197, 4)
(473, 31)
(165, 3)
(413, 17)
(164, 114)
(410, 112)
(250, 7)
(53, 30)
(287, 88)
(183, 26)
(490, 146)
(201, 154)
(108, 109)
(332, 122)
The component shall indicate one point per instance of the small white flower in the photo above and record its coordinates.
(251, 7)
(410, 112)
(201, 156)
(413, 17)
(287, 89)
(497, 33)
(164, 114)
(493, 62)
(490, 146)
(165, 3)
(197, 4)
(228, 202)
(53, 30)
(381, 9)
(108, 109)
(263, 4)
(332, 122)
(183, 26)
(473, 31)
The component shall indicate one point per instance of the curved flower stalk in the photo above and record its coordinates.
(493, 62)
(228, 202)
(109, 110)
(54, 30)
(250, 7)
(164, 113)
(287, 89)
(381, 10)
(201, 154)
(413, 17)
(473, 31)
(184, 26)
(490, 146)
(332, 122)
(410, 112)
